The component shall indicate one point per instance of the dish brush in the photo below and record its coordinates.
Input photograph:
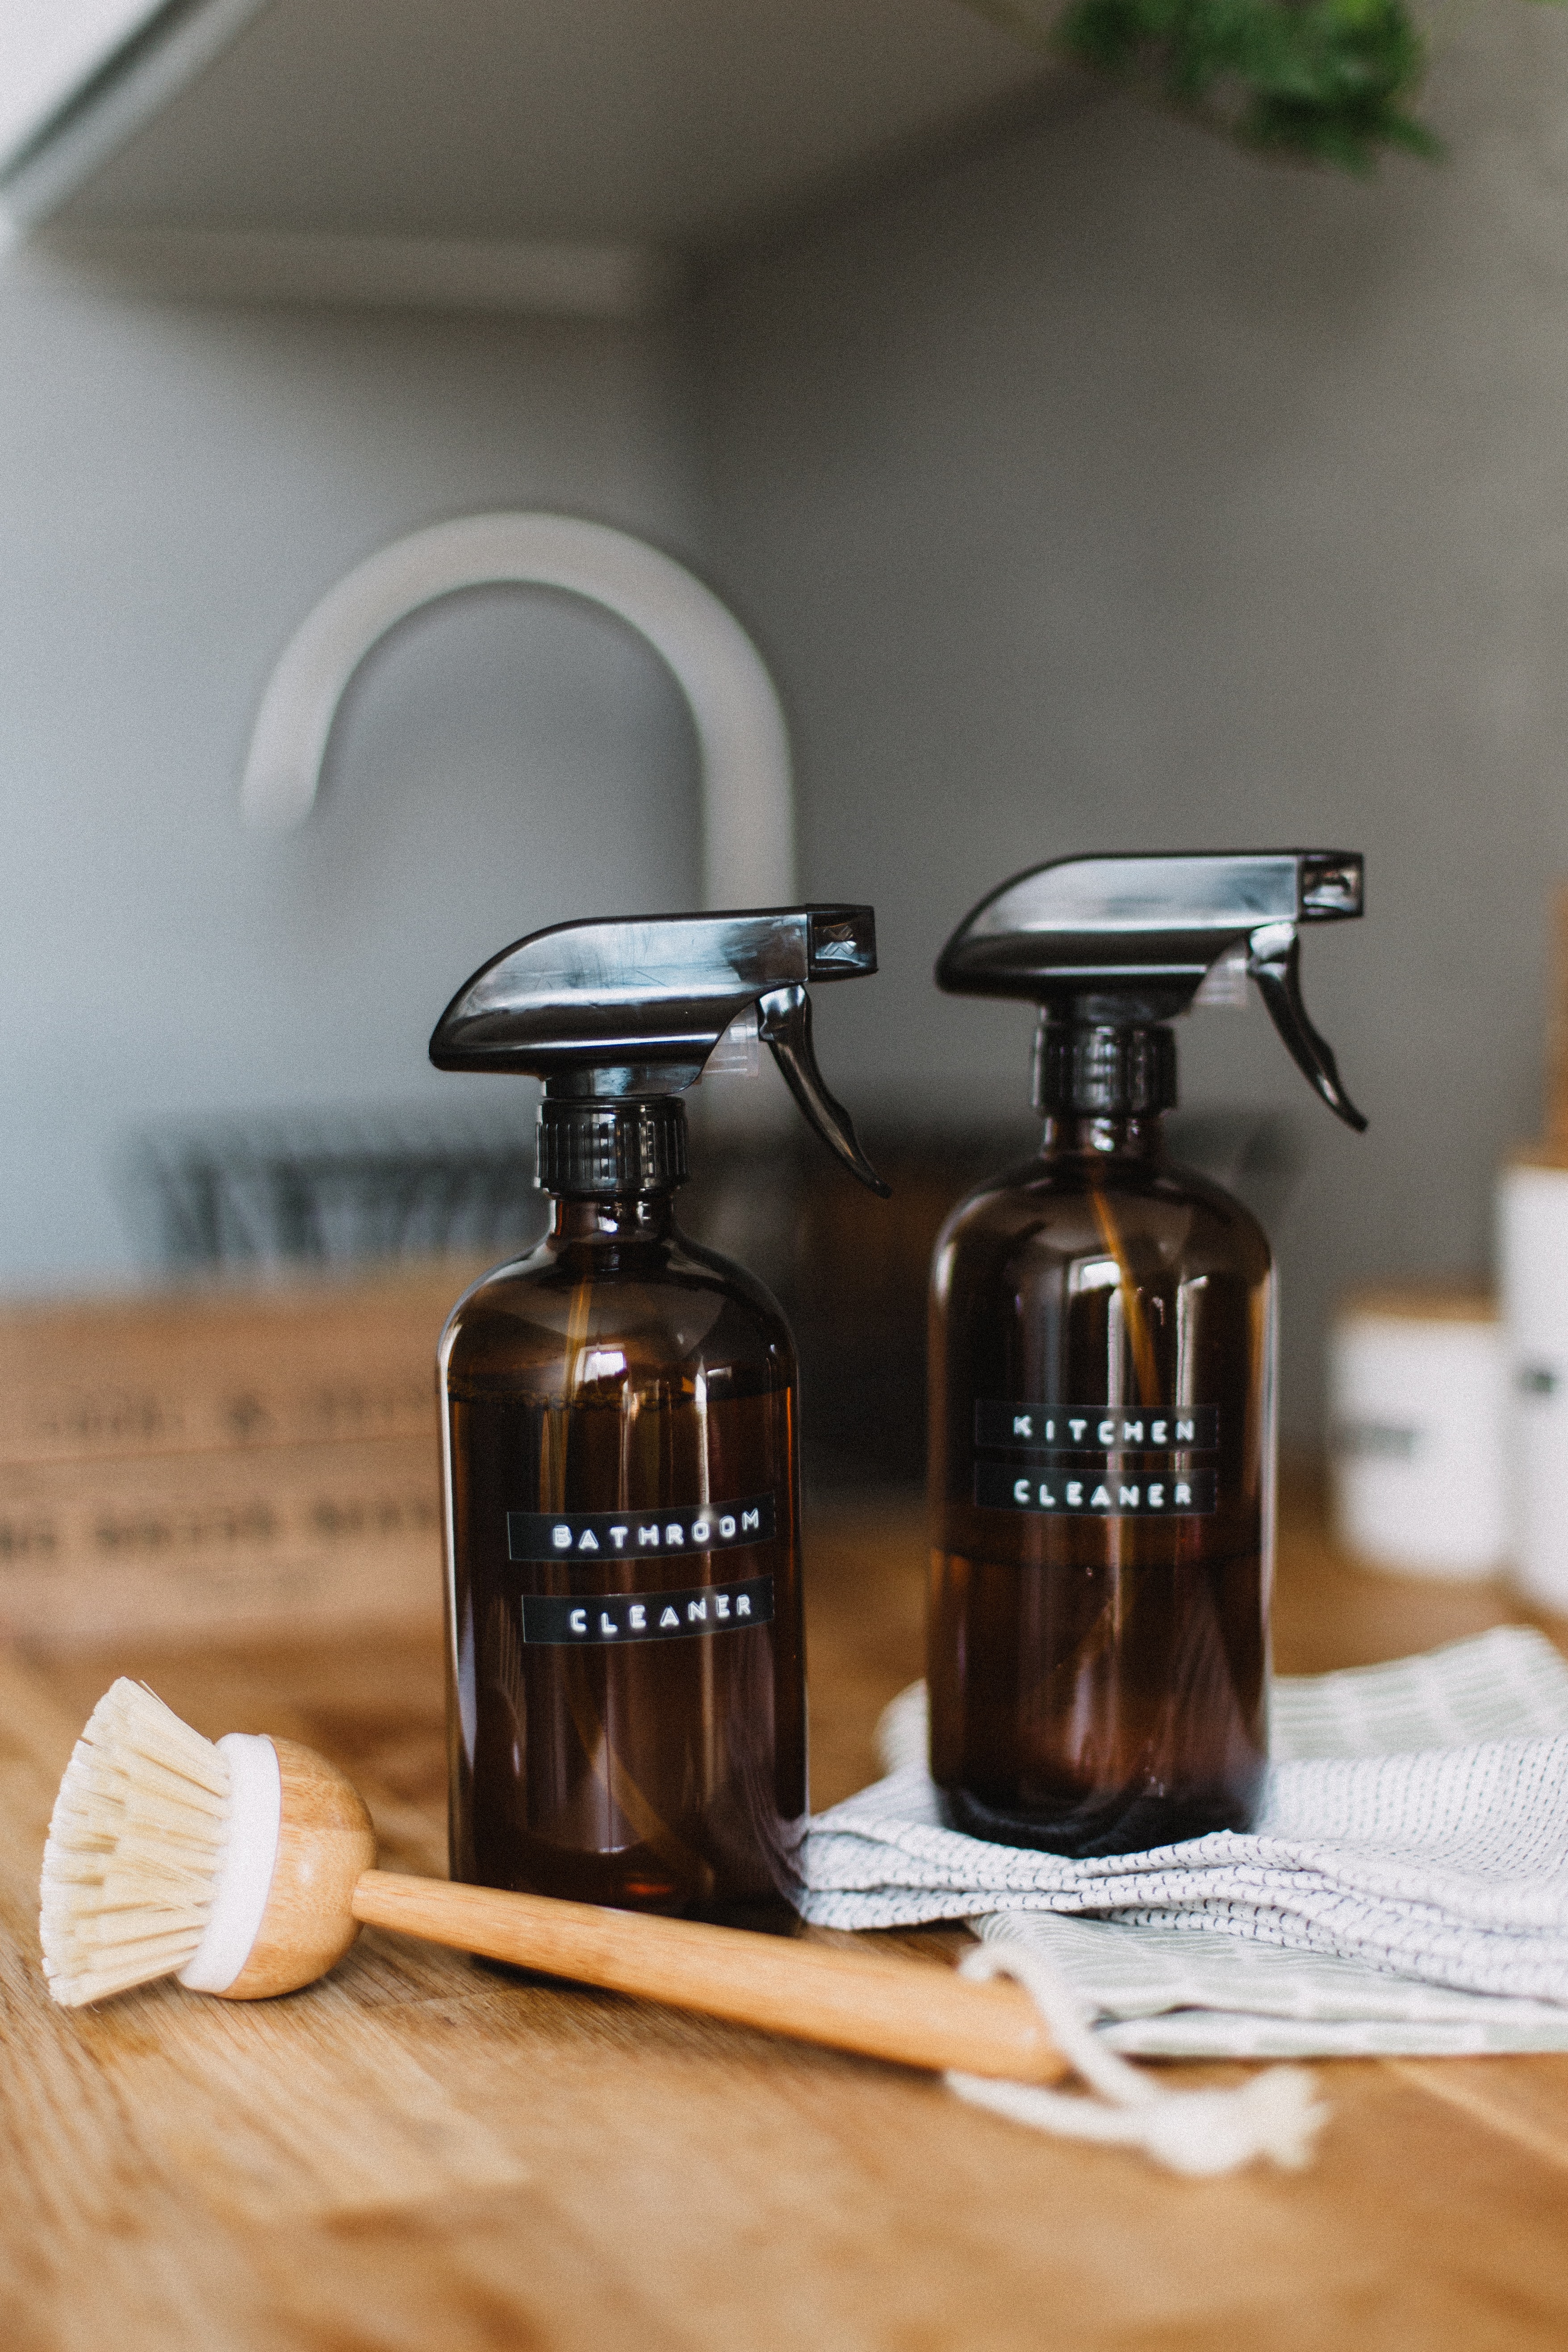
(247, 1869)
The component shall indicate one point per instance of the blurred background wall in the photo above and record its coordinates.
(179, 483)
(1108, 490)
(1120, 492)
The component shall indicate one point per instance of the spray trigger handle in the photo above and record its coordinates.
(1130, 942)
(1274, 961)
(633, 1009)
(784, 1023)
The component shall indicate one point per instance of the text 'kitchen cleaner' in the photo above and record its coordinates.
(1102, 1406)
(627, 1694)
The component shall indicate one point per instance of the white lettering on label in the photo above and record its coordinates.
(1078, 1428)
(1156, 1433)
(673, 1535)
(647, 1534)
(1186, 1432)
(618, 1537)
(622, 1618)
(562, 1539)
(1023, 1424)
(1093, 1492)
(700, 1531)
(1107, 1433)
(750, 1520)
(1132, 1432)
(726, 1529)
(590, 1540)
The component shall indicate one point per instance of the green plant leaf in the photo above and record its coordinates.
(1329, 81)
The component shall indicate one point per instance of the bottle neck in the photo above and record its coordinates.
(611, 1147)
(1102, 1136)
(636, 1217)
(1122, 1071)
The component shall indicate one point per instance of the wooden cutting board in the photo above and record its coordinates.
(417, 2157)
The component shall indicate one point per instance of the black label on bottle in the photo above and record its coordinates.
(1050, 1429)
(633, 1535)
(1094, 1494)
(607, 1617)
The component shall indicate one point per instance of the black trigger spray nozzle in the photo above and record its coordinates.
(620, 1017)
(1112, 949)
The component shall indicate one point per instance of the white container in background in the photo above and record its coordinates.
(1532, 1248)
(1416, 1398)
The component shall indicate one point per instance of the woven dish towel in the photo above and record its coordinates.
(1405, 1892)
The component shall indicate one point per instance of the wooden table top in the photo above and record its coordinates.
(418, 2156)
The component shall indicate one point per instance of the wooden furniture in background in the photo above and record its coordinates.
(1555, 1124)
(224, 1460)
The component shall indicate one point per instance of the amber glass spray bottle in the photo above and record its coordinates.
(1102, 1436)
(627, 1674)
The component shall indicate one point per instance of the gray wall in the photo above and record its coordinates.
(1113, 491)
(178, 485)
(1119, 491)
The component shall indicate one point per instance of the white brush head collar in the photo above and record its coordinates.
(244, 1870)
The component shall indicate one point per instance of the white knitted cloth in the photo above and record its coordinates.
(1405, 1889)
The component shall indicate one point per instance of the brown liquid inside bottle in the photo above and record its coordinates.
(620, 1377)
(1102, 1352)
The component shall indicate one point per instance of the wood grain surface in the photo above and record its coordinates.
(417, 2155)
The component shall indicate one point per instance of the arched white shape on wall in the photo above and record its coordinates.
(748, 802)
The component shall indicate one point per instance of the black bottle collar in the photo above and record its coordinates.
(612, 1148)
(1089, 1068)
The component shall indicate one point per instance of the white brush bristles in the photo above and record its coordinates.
(135, 1843)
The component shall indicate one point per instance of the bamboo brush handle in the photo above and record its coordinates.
(908, 2010)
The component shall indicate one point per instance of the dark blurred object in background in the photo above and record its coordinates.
(848, 1270)
(330, 1190)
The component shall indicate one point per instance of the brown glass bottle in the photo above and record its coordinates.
(1102, 1452)
(627, 1720)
